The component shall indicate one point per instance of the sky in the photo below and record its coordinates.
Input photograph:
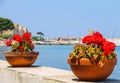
(64, 18)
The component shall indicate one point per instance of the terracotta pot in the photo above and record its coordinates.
(88, 72)
(21, 59)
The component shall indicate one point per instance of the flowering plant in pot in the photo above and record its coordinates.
(21, 53)
(94, 58)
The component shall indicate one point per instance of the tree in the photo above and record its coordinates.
(41, 35)
(6, 24)
(35, 38)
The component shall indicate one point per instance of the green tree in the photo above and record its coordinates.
(35, 38)
(41, 35)
(5, 24)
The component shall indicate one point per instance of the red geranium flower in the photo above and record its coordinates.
(8, 42)
(97, 34)
(96, 39)
(21, 43)
(26, 36)
(17, 37)
(87, 39)
(21, 48)
(108, 47)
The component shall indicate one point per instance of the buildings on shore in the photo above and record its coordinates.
(69, 41)
(17, 30)
(59, 41)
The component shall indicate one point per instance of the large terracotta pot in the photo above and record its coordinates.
(84, 70)
(21, 59)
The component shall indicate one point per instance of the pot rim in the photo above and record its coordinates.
(8, 54)
(86, 61)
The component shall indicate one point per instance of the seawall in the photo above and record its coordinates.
(39, 74)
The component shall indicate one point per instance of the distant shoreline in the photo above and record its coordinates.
(71, 42)
(65, 42)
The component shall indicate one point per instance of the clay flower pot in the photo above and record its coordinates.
(21, 51)
(21, 59)
(94, 59)
(84, 70)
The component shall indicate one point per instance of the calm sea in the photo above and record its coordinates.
(56, 56)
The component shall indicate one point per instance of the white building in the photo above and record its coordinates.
(17, 30)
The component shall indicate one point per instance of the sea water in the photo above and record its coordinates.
(56, 56)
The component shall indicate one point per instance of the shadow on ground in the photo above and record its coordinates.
(104, 81)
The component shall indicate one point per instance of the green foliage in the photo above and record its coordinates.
(35, 38)
(6, 24)
(41, 34)
(26, 45)
(15, 47)
(58, 39)
(5, 36)
(95, 54)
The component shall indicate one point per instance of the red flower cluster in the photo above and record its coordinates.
(8, 43)
(17, 37)
(21, 42)
(27, 36)
(108, 47)
(97, 40)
